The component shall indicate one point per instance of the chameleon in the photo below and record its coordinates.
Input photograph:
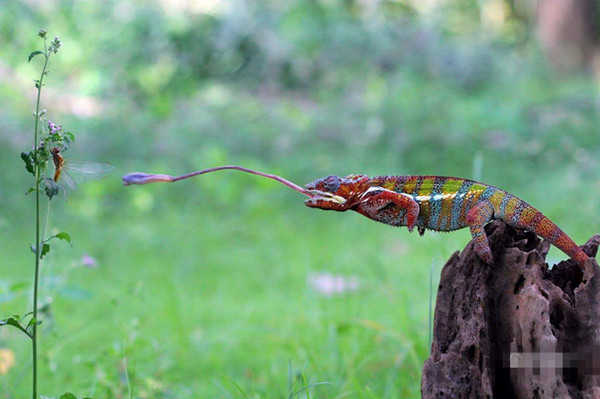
(426, 202)
(437, 203)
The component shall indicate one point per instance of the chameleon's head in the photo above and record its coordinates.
(336, 193)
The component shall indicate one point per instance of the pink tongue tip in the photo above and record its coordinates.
(144, 178)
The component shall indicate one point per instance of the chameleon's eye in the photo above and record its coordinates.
(331, 184)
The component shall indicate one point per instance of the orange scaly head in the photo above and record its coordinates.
(337, 193)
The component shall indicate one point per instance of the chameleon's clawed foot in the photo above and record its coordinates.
(477, 217)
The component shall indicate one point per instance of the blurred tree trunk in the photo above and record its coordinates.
(515, 329)
(568, 31)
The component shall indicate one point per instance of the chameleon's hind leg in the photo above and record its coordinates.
(477, 217)
(374, 203)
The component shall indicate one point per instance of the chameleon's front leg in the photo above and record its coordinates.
(374, 200)
(477, 217)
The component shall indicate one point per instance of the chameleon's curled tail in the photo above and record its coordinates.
(563, 242)
(529, 218)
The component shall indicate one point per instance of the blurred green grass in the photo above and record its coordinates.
(203, 285)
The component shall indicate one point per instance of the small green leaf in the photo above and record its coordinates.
(31, 190)
(45, 250)
(68, 395)
(10, 321)
(13, 321)
(70, 136)
(64, 236)
(33, 54)
(26, 157)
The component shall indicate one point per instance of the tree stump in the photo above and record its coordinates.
(515, 329)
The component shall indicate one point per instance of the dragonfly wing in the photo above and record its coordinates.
(83, 171)
(68, 180)
(91, 169)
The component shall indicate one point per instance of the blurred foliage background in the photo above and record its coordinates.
(206, 288)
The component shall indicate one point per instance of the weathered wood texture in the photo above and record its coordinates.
(488, 317)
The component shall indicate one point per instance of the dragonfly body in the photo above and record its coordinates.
(438, 203)
(59, 163)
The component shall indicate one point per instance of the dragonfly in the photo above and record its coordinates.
(68, 174)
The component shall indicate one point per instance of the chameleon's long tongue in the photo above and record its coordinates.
(145, 178)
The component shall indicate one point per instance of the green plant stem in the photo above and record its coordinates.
(37, 227)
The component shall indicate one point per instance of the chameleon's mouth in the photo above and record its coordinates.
(323, 196)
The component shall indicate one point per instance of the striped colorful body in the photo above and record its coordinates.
(445, 202)
(440, 204)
